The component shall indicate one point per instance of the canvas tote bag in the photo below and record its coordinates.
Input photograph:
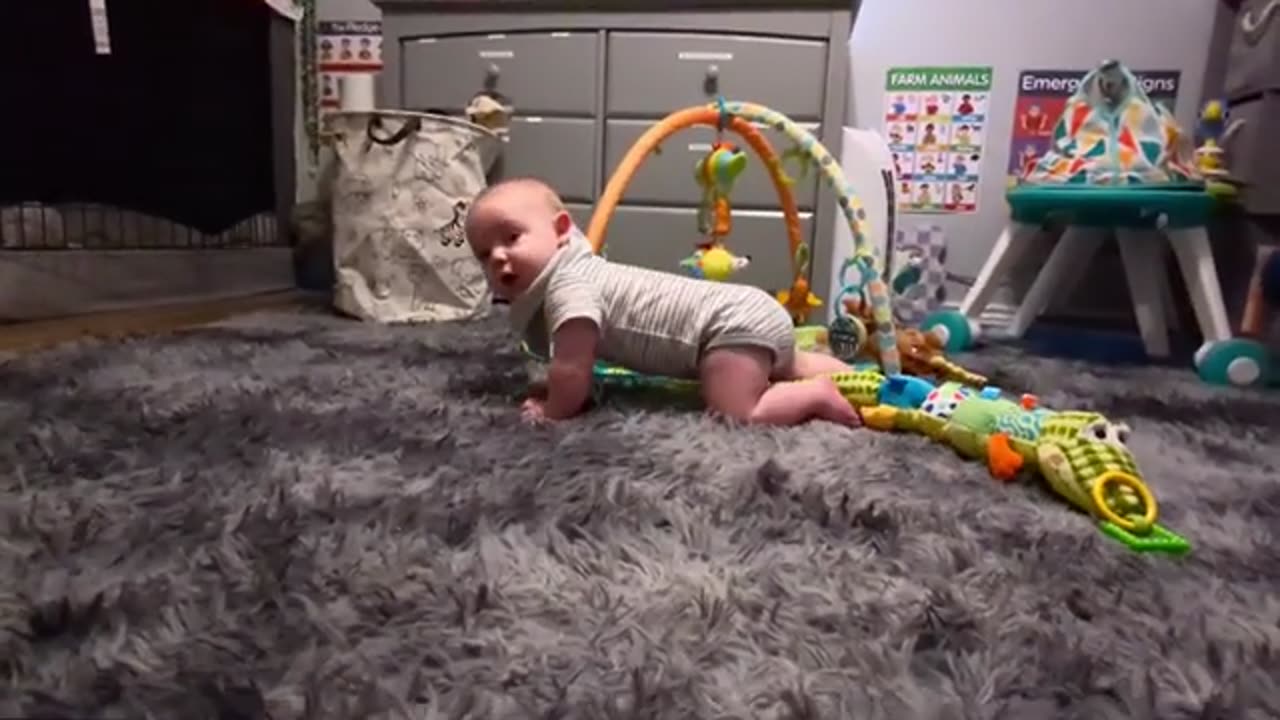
(401, 186)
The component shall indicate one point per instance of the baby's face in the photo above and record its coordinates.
(514, 233)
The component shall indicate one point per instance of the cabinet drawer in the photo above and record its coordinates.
(1255, 153)
(1253, 62)
(660, 238)
(668, 177)
(538, 72)
(652, 74)
(556, 150)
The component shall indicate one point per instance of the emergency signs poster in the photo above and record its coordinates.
(1042, 96)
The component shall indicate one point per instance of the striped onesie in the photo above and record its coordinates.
(651, 322)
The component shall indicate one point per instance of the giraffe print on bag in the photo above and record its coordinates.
(452, 233)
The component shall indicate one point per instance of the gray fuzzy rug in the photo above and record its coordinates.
(294, 516)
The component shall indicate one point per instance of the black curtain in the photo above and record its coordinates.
(175, 122)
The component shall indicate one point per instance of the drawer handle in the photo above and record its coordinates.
(491, 74)
(712, 82)
(1255, 27)
(1229, 134)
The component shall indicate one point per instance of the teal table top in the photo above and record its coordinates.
(1181, 206)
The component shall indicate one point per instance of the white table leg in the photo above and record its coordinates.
(1195, 258)
(1070, 256)
(1143, 266)
(1008, 249)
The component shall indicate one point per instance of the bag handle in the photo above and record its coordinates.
(410, 126)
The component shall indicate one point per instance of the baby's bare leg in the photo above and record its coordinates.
(736, 383)
(812, 364)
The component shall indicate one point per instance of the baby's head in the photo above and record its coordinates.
(514, 228)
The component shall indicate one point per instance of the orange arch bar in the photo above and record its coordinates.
(668, 126)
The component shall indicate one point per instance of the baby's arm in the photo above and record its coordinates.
(572, 362)
(574, 319)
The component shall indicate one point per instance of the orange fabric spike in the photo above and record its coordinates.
(1079, 114)
(1126, 138)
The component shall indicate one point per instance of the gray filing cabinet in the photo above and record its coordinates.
(1244, 68)
(1252, 89)
(586, 85)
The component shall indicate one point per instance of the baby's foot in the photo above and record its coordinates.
(834, 407)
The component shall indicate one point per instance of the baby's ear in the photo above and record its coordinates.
(563, 223)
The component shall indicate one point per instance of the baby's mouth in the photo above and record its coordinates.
(507, 280)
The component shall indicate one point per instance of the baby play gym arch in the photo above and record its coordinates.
(738, 117)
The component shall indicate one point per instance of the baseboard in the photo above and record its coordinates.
(151, 320)
(41, 284)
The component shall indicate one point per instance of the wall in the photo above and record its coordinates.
(347, 10)
(1013, 35)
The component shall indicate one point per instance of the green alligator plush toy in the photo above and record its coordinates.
(1081, 455)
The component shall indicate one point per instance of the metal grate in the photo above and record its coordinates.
(74, 226)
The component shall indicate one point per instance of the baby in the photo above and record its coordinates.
(577, 307)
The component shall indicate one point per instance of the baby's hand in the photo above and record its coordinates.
(534, 410)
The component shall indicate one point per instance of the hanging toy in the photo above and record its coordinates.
(847, 337)
(714, 262)
(716, 174)
(798, 299)
(847, 332)
(863, 268)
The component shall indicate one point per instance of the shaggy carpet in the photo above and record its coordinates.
(294, 515)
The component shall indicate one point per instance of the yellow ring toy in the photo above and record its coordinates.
(1124, 479)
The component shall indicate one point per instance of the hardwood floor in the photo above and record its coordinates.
(29, 336)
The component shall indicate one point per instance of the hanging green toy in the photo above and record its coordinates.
(716, 172)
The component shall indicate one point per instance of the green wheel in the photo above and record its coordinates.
(1238, 362)
(958, 333)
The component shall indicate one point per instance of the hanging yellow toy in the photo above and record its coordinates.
(714, 262)
(716, 173)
